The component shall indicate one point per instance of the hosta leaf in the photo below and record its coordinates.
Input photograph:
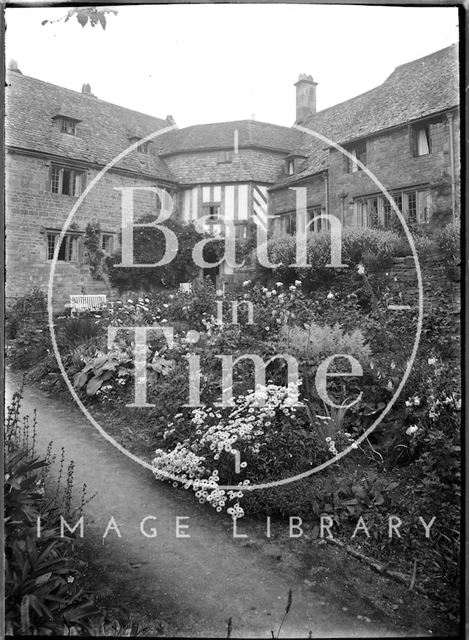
(93, 385)
(80, 379)
(99, 361)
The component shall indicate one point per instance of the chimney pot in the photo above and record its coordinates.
(305, 97)
(86, 89)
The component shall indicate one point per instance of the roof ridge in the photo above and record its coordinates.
(339, 104)
(84, 95)
(428, 55)
(377, 87)
(248, 121)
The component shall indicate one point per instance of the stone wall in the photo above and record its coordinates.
(401, 277)
(32, 210)
(390, 159)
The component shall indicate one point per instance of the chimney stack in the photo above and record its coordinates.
(86, 89)
(170, 120)
(13, 66)
(305, 98)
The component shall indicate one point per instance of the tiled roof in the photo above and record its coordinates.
(221, 135)
(102, 133)
(412, 91)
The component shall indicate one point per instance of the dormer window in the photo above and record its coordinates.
(142, 148)
(225, 157)
(66, 125)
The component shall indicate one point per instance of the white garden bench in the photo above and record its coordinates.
(87, 302)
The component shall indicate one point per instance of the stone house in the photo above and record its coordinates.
(406, 131)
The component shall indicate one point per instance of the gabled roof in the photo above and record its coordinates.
(102, 133)
(221, 135)
(413, 90)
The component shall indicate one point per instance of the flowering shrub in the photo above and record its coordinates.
(269, 435)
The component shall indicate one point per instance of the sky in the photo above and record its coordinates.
(213, 63)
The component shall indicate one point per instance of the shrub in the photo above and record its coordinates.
(315, 342)
(269, 436)
(74, 332)
(449, 243)
(149, 248)
(31, 345)
(29, 310)
(371, 246)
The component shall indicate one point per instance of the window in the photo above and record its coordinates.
(67, 125)
(224, 157)
(290, 167)
(107, 243)
(362, 213)
(320, 224)
(288, 223)
(421, 144)
(358, 152)
(142, 148)
(376, 211)
(66, 181)
(212, 210)
(68, 251)
(213, 222)
(412, 206)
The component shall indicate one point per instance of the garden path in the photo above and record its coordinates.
(192, 586)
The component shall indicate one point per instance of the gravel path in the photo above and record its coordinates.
(192, 584)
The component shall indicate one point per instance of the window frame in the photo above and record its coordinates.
(225, 156)
(360, 152)
(70, 244)
(66, 124)
(56, 180)
(407, 200)
(414, 139)
(144, 147)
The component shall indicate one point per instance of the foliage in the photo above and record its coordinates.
(449, 243)
(416, 445)
(315, 342)
(258, 430)
(102, 369)
(30, 347)
(149, 248)
(28, 311)
(116, 368)
(74, 332)
(359, 245)
(42, 577)
(95, 254)
(85, 15)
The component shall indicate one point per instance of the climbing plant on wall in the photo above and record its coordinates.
(95, 255)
